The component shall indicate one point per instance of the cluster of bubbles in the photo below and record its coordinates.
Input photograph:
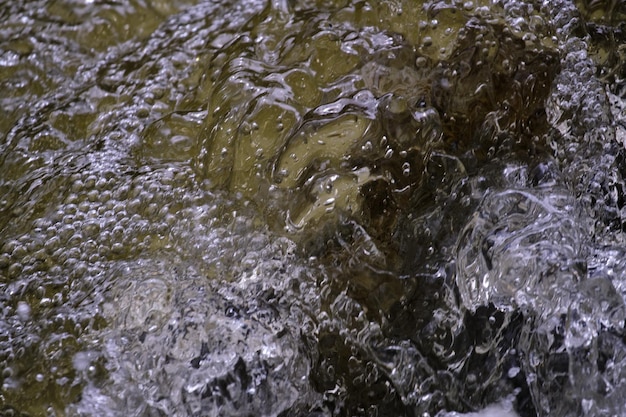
(312, 208)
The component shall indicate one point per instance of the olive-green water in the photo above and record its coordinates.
(312, 208)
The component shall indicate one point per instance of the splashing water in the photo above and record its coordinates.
(312, 208)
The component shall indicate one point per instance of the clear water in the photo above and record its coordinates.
(312, 208)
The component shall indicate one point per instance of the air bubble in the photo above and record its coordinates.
(15, 269)
(75, 240)
(121, 192)
(70, 209)
(151, 210)
(77, 187)
(133, 206)
(23, 311)
(513, 372)
(406, 169)
(66, 231)
(72, 199)
(10, 246)
(90, 182)
(91, 228)
(52, 244)
(40, 255)
(5, 261)
(19, 252)
(93, 195)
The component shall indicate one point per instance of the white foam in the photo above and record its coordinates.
(501, 409)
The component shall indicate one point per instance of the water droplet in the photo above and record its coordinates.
(406, 169)
(513, 372)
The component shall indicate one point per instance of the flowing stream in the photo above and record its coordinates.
(312, 208)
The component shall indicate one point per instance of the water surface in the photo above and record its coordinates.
(312, 208)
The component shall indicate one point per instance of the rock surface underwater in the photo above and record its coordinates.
(312, 208)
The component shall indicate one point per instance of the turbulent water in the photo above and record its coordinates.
(312, 208)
